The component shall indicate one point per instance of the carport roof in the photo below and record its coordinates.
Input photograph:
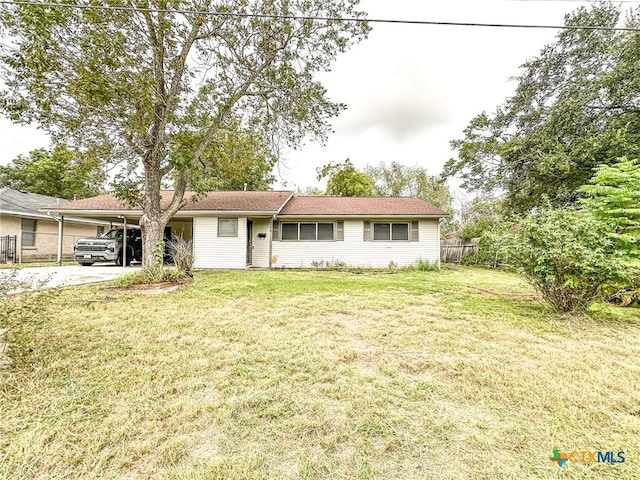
(242, 201)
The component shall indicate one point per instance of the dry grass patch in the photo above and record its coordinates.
(292, 375)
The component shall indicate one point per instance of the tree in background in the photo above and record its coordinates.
(312, 191)
(613, 195)
(57, 172)
(576, 106)
(235, 160)
(480, 214)
(395, 180)
(149, 87)
(343, 179)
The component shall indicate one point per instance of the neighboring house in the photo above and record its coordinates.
(276, 229)
(29, 234)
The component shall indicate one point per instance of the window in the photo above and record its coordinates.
(308, 231)
(289, 231)
(227, 227)
(325, 231)
(391, 231)
(99, 230)
(28, 227)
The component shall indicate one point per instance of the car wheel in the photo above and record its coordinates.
(129, 257)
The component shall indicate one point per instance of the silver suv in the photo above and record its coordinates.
(108, 247)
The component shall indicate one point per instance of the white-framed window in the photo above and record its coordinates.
(391, 231)
(227, 227)
(394, 231)
(28, 227)
(308, 231)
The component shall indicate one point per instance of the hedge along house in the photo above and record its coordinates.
(234, 230)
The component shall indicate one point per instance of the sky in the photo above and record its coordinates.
(409, 89)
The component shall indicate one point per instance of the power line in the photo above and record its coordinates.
(320, 18)
(574, 1)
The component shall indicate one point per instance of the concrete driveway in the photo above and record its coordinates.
(64, 276)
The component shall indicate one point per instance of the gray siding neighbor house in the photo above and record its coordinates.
(27, 233)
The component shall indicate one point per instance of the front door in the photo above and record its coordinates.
(249, 242)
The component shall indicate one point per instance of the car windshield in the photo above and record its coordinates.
(116, 233)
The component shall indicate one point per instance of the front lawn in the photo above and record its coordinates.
(301, 375)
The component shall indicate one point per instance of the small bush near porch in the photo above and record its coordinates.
(458, 374)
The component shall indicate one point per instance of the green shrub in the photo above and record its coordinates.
(427, 265)
(490, 248)
(568, 257)
(152, 275)
(158, 273)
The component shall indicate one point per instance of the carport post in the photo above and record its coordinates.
(19, 245)
(60, 238)
(124, 244)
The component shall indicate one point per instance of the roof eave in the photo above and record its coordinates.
(179, 214)
(51, 216)
(24, 214)
(360, 215)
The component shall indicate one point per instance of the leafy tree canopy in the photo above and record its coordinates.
(152, 87)
(57, 172)
(343, 179)
(575, 107)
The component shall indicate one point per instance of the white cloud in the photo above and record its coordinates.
(410, 89)
(19, 140)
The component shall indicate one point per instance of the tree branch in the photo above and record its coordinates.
(177, 201)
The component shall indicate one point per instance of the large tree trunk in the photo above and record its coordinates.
(151, 223)
(154, 218)
(152, 234)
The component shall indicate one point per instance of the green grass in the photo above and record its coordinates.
(315, 375)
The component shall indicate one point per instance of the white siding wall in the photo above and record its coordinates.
(260, 257)
(354, 251)
(212, 251)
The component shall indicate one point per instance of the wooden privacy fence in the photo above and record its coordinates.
(454, 250)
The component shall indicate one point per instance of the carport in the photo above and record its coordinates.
(109, 209)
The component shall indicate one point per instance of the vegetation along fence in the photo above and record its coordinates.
(455, 249)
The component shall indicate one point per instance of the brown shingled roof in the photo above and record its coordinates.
(271, 201)
(221, 201)
(332, 206)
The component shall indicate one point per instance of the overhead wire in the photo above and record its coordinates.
(318, 18)
(573, 1)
